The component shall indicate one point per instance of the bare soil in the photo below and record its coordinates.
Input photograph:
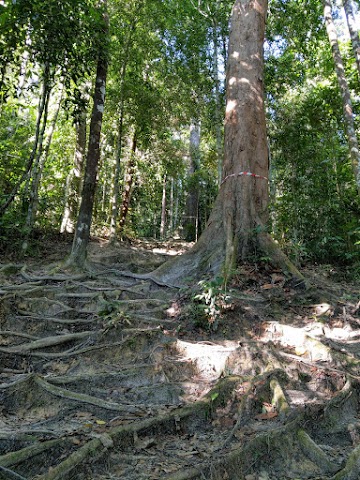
(107, 374)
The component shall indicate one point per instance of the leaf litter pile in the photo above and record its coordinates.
(109, 374)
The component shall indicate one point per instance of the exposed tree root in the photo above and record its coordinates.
(47, 342)
(87, 451)
(9, 474)
(53, 278)
(24, 315)
(8, 333)
(19, 456)
(82, 398)
(261, 449)
(352, 467)
(126, 400)
(121, 435)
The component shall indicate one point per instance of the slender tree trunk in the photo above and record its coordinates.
(178, 192)
(171, 208)
(115, 192)
(116, 189)
(22, 75)
(82, 232)
(353, 30)
(41, 157)
(129, 179)
(39, 131)
(236, 230)
(192, 201)
(73, 180)
(163, 210)
(345, 92)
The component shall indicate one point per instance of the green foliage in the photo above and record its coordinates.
(112, 315)
(213, 299)
(315, 207)
(16, 128)
(161, 79)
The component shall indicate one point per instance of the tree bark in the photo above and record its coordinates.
(82, 232)
(354, 34)
(236, 230)
(345, 92)
(128, 185)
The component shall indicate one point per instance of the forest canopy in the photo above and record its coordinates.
(160, 144)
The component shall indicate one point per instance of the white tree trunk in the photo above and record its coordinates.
(353, 30)
(345, 92)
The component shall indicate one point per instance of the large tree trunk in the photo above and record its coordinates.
(236, 228)
(353, 30)
(82, 232)
(345, 92)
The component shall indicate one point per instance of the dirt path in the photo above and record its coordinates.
(104, 376)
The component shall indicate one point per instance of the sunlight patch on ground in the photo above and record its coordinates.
(298, 339)
(167, 251)
(307, 340)
(210, 359)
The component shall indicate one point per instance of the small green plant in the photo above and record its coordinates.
(112, 315)
(213, 299)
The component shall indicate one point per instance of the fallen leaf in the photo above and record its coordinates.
(100, 422)
(266, 416)
(187, 454)
(268, 407)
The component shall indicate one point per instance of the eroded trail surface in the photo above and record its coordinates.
(107, 375)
